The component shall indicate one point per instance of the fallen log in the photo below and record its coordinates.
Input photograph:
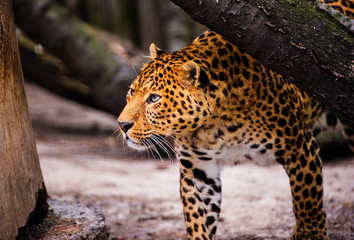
(88, 53)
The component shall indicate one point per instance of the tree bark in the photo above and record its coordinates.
(22, 191)
(306, 45)
(80, 48)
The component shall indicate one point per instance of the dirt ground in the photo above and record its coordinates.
(83, 160)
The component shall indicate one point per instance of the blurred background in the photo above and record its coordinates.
(78, 59)
(139, 21)
(90, 50)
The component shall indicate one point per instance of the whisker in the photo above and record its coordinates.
(117, 131)
(162, 146)
(167, 134)
(124, 144)
(152, 148)
(119, 135)
(154, 141)
(146, 146)
(143, 142)
(167, 143)
(155, 150)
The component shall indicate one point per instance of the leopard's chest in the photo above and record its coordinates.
(229, 153)
(240, 153)
(230, 148)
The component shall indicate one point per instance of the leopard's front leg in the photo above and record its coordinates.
(304, 168)
(200, 189)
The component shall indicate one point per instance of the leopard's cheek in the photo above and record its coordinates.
(158, 120)
(176, 122)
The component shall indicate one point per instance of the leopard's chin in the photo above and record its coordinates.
(143, 144)
(137, 146)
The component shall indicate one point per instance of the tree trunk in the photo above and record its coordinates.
(81, 49)
(22, 192)
(299, 41)
(150, 25)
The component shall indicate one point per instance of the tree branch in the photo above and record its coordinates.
(306, 45)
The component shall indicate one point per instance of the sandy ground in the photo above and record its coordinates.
(83, 160)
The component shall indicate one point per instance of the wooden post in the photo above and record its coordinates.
(22, 191)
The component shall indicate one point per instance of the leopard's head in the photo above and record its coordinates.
(166, 99)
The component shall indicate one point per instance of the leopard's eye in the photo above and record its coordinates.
(153, 98)
(131, 92)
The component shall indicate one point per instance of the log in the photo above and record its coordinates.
(81, 48)
(295, 38)
(44, 69)
(22, 190)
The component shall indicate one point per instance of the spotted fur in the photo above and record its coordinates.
(223, 107)
(345, 7)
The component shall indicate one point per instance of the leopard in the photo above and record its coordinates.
(346, 7)
(223, 107)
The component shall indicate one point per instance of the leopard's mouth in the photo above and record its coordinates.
(143, 143)
(135, 145)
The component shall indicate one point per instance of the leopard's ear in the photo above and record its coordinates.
(194, 74)
(155, 51)
(191, 70)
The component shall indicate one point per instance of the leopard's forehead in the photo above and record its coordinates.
(160, 71)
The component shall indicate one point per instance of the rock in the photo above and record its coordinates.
(69, 221)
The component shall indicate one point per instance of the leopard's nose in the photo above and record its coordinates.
(125, 126)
